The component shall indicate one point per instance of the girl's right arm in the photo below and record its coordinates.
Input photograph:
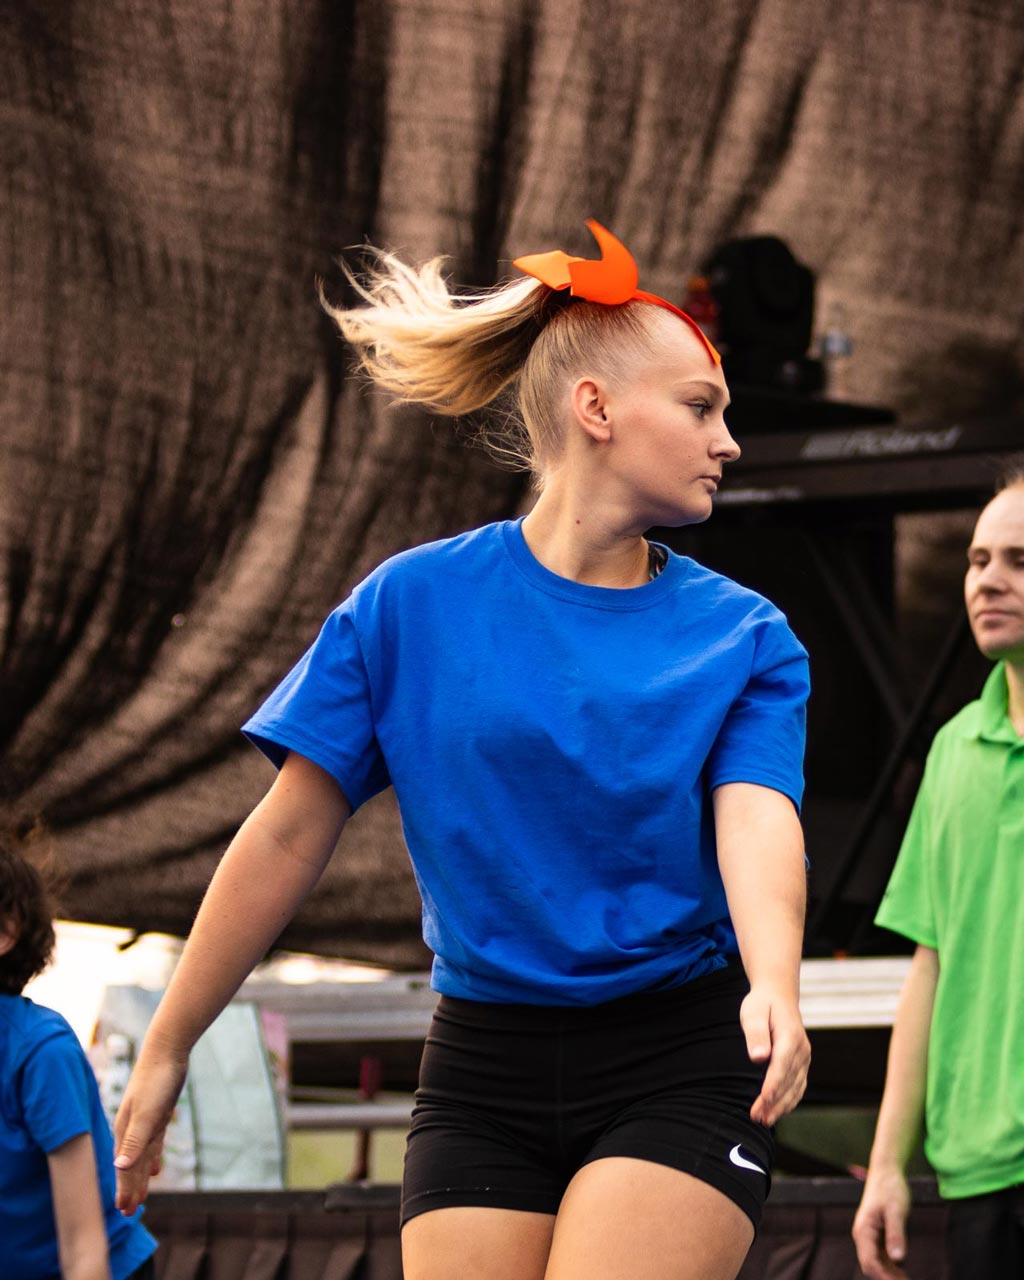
(269, 869)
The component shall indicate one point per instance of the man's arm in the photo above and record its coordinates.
(761, 858)
(269, 868)
(879, 1227)
(78, 1211)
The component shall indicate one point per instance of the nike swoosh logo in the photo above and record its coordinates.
(743, 1162)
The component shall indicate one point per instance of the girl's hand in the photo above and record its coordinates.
(775, 1034)
(149, 1101)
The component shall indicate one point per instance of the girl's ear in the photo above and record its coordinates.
(588, 406)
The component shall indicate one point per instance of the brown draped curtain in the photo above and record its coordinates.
(190, 479)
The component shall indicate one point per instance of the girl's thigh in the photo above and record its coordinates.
(623, 1218)
(475, 1243)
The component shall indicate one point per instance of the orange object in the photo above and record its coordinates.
(611, 279)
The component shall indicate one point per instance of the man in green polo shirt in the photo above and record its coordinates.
(956, 1059)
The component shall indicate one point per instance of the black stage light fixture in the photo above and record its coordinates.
(765, 301)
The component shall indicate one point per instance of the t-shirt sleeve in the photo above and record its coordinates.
(762, 737)
(323, 710)
(907, 906)
(55, 1092)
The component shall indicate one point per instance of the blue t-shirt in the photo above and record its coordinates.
(553, 747)
(48, 1095)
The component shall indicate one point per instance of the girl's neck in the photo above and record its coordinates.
(573, 540)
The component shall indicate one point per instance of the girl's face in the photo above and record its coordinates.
(667, 433)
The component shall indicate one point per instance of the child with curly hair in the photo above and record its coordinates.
(57, 1214)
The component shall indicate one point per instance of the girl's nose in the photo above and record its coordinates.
(728, 450)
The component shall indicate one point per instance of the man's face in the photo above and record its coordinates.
(994, 586)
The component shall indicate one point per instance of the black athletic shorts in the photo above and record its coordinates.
(514, 1099)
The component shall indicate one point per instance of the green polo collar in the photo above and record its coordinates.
(992, 723)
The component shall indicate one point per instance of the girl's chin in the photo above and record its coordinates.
(694, 513)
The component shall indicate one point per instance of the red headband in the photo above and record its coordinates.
(612, 279)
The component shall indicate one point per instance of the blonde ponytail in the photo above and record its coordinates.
(453, 353)
(456, 353)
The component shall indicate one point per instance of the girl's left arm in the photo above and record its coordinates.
(761, 858)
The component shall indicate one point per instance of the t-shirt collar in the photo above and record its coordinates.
(616, 598)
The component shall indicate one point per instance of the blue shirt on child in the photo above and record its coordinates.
(48, 1095)
(553, 747)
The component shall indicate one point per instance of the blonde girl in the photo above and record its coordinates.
(596, 746)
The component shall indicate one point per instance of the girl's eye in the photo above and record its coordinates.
(701, 408)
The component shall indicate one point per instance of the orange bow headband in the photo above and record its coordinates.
(612, 279)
